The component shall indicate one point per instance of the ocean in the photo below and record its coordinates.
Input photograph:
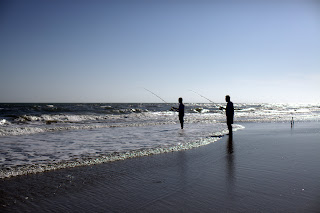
(42, 137)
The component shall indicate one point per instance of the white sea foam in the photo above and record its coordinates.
(40, 138)
(32, 124)
(84, 160)
(13, 131)
(3, 122)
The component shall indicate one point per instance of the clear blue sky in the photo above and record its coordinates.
(108, 51)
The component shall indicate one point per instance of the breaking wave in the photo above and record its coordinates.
(13, 131)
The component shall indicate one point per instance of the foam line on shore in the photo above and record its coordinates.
(88, 161)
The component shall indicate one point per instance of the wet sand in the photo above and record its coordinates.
(266, 167)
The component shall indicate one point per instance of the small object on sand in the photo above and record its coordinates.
(292, 122)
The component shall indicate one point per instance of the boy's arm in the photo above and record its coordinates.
(174, 109)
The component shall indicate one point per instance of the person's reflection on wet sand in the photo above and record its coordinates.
(230, 165)
(230, 144)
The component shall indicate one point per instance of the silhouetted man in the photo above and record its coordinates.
(229, 113)
(181, 112)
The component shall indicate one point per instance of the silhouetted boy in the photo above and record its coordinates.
(229, 113)
(181, 112)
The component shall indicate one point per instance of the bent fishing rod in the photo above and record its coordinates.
(172, 108)
(202, 96)
(220, 107)
(156, 95)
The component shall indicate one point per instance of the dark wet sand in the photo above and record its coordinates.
(263, 168)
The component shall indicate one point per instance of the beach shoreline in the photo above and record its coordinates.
(267, 167)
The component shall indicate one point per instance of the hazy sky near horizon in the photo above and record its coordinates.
(108, 51)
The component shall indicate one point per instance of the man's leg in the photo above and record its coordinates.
(181, 122)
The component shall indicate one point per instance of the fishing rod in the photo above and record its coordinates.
(156, 95)
(202, 96)
(172, 108)
(220, 107)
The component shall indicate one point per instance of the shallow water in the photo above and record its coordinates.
(24, 154)
(45, 147)
(42, 137)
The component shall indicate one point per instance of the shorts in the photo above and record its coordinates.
(229, 120)
(181, 118)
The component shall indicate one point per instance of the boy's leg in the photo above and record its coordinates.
(229, 127)
(181, 122)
